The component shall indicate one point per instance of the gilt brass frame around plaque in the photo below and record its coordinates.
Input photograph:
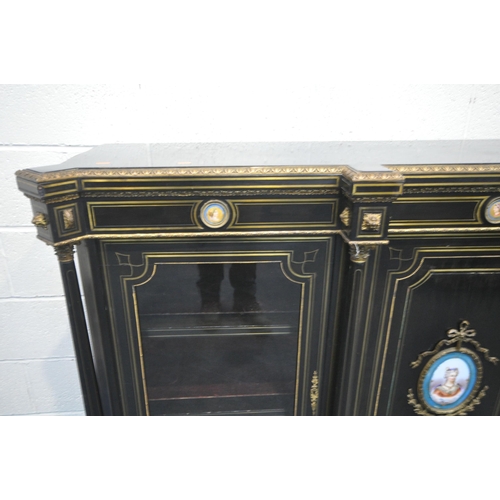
(468, 360)
(467, 404)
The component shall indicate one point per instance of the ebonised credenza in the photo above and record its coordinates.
(279, 278)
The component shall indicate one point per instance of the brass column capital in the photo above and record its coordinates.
(65, 253)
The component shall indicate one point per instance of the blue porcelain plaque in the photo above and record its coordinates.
(449, 380)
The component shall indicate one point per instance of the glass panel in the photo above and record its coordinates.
(219, 338)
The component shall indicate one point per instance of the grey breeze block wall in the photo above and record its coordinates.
(47, 124)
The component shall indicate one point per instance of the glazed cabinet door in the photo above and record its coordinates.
(219, 326)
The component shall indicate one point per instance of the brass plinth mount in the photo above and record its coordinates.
(40, 220)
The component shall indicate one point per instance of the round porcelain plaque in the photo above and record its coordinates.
(492, 212)
(214, 213)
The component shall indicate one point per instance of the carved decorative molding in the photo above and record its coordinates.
(60, 199)
(450, 189)
(357, 176)
(446, 169)
(51, 201)
(369, 199)
(250, 171)
(225, 193)
(198, 234)
(179, 172)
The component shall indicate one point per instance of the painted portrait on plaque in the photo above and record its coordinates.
(214, 213)
(492, 211)
(449, 380)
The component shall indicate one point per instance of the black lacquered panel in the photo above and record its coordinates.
(435, 292)
(147, 216)
(321, 212)
(434, 211)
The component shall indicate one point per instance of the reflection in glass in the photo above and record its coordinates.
(220, 338)
(242, 278)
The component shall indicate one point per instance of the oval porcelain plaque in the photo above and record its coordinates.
(449, 380)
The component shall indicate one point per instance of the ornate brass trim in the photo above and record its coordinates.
(40, 220)
(360, 252)
(371, 221)
(450, 189)
(196, 234)
(446, 169)
(204, 193)
(314, 393)
(369, 199)
(363, 242)
(253, 171)
(457, 336)
(378, 175)
(417, 230)
(470, 398)
(52, 201)
(419, 410)
(65, 253)
(346, 217)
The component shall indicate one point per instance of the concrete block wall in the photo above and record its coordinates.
(46, 124)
